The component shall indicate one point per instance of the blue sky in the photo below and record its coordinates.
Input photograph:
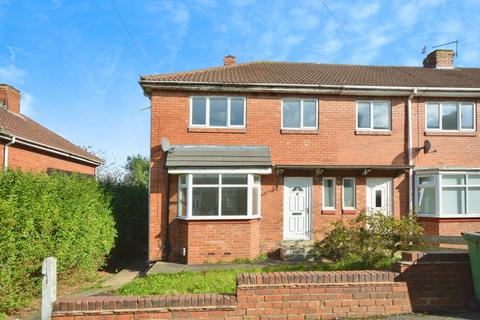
(78, 70)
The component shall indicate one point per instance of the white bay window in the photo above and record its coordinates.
(218, 196)
(448, 194)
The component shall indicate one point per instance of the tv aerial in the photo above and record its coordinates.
(424, 49)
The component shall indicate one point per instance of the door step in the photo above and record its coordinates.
(297, 250)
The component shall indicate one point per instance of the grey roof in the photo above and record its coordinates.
(218, 156)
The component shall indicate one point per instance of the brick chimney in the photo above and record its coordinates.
(229, 60)
(9, 98)
(441, 59)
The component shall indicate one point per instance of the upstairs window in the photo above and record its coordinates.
(217, 112)
(374, 115)
(299, 114)
(450, 116)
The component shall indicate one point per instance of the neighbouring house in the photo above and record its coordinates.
(26, 145)
(265, 152)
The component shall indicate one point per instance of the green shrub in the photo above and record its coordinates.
(68, 217)
(370, 241)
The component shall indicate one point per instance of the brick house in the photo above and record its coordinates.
(265, 152)
(25, 144)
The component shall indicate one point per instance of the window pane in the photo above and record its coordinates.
(218, 112)
(255, 201)
(329, 193)
(426, 200)
(433, 116)
(348, 193)
(256, 179)
(453, 180)
(474, 200)
(449, 117)
(237, 111)
(467, 116)
(378, 198)
(205, 178)
(182, 179)
(426, 180)
(291, 113)
(309, 114)
(474, 180)
(182, 202)
(234, 201)
(453, 200)
(199, 111)
(205, 202)
(234, 179)
(381, 116)
(363, 116)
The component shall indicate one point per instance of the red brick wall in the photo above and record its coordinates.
(448, 149)
(334, 143)
(24, 158)
(449, 226)
(431, 282)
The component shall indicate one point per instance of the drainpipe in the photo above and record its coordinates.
(410, 151)
(5, 153)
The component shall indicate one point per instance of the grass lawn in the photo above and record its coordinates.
(215, 281)
(212, 281)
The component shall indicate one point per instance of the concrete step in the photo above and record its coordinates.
(297, 250)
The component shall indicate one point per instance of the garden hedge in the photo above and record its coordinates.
(66, 216)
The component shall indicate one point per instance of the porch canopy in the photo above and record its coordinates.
(363, 169)
(214, 158)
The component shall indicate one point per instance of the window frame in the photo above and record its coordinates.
(459, 116)
(354, 193)
(439, 187)
(334, 193)
(251, 184)
(302, 127)
(372, 127)
(207, 113)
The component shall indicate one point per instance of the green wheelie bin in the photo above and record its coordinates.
(473, 240)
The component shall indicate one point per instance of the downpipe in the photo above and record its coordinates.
(5, 152)
(410, 151)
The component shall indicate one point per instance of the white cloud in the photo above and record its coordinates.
(11, 74)
(26, 106)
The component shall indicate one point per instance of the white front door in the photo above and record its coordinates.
(297, 202)
(379, 195)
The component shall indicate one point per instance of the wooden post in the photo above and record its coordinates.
(49, 286)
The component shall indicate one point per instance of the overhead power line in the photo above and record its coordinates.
(130, 35)
(335, 18)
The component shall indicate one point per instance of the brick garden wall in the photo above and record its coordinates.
(427, 282)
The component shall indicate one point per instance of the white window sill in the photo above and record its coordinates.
(465, 133)
(373, 132)
(457, 216)
(220, 218)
